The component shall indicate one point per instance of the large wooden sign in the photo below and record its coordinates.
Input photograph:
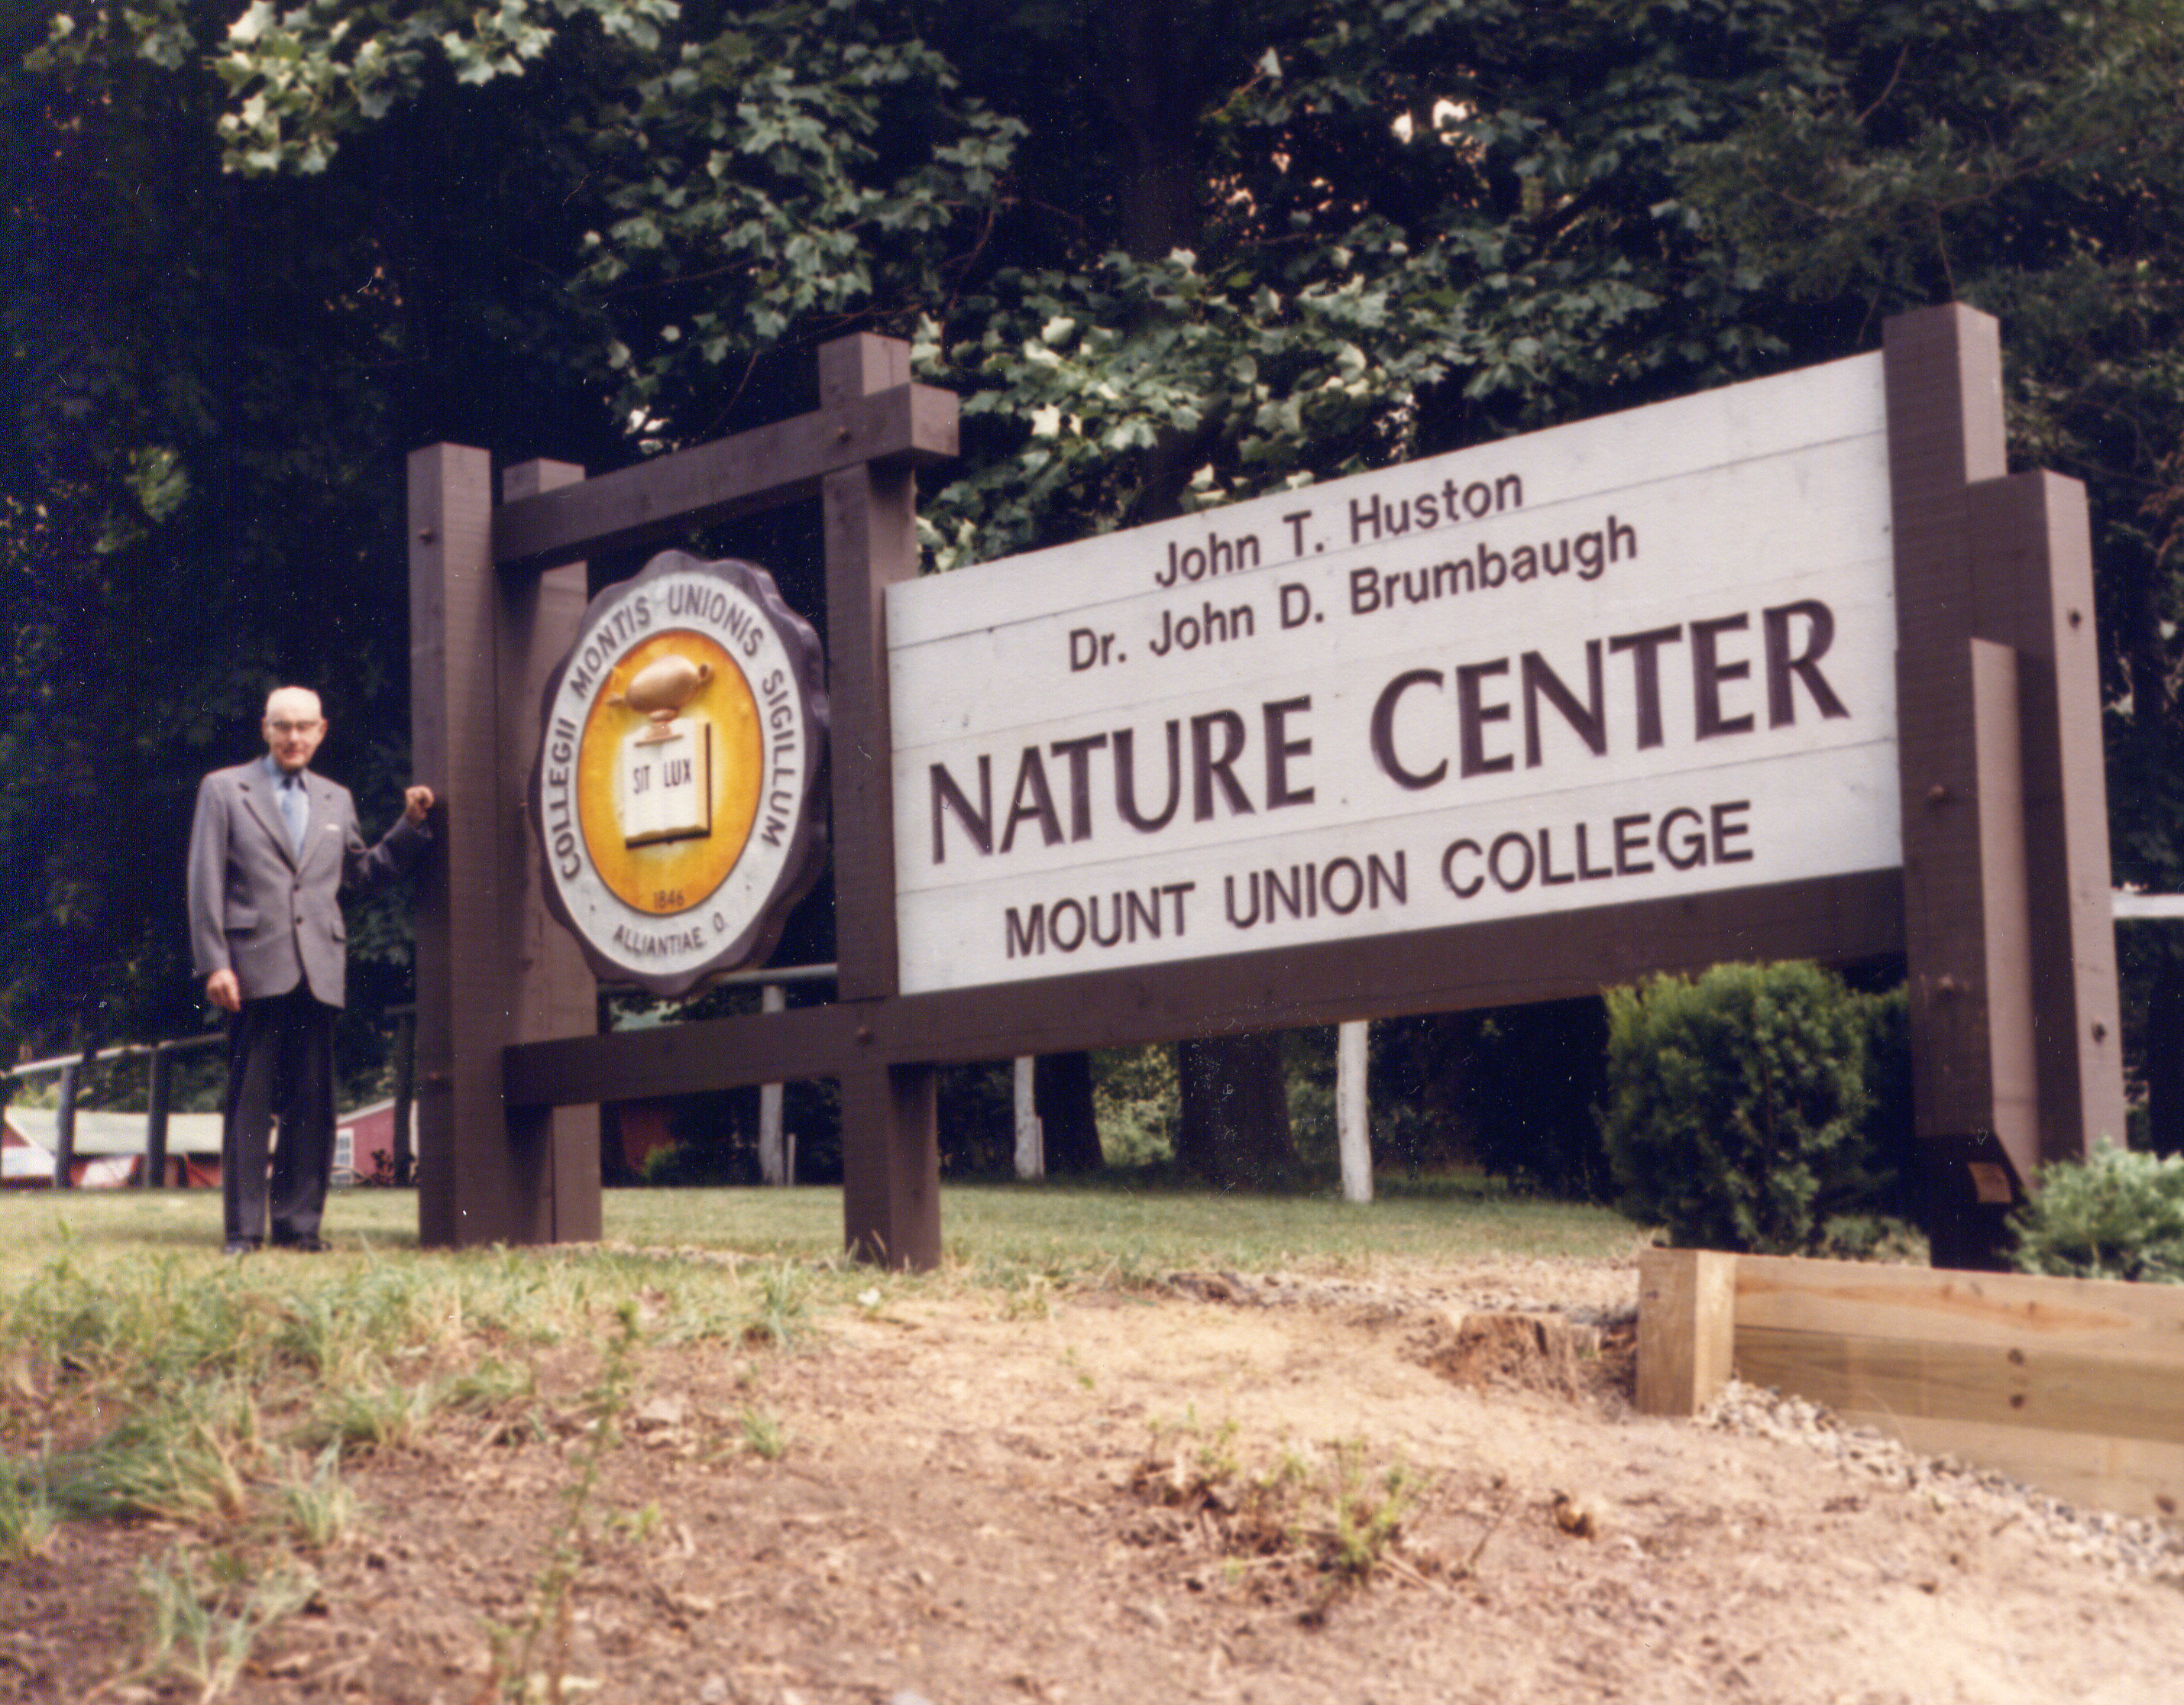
(1790, 669)
(1649, 655)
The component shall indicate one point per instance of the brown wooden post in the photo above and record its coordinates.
(553, 992)
(64, 1126)
(158, 1091)
(1945, 433)
(1686, 1329)
(487, 975)
(405, 1096)
(2031, 536)
(890, 1135)
(465, 1177)
(2002, 855)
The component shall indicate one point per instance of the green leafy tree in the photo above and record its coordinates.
(211, 380)
(1535, 1075)
(2026, 158)
(1170, 255)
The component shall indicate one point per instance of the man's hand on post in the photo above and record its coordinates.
(222, 989)
(415, 803)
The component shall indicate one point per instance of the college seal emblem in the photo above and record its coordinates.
(677, 796)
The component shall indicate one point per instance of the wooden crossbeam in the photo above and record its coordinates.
(911, 425)
(804, 1043)
(1496, 963)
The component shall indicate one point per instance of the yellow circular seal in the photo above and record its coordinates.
(676, 796)
(666, 802)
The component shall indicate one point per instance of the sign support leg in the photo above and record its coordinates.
(890, 1131)
(553, 991)
(2004, 843)
(2029, 532)
(488, 962)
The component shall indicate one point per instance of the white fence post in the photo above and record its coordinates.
(776, 1165)
(1350, 1121)
(1030, 1136)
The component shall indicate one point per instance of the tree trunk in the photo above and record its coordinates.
(1234, 1128)
(1155, 67)
(1154, 80)
(1063, 1087)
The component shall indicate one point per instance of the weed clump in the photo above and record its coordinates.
(1334, 1519)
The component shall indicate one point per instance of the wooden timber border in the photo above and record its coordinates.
(2074, 1385)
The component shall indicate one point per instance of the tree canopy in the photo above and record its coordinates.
(1170, 252)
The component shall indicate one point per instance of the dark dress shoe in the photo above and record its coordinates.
(313, 1244)
(241, 1246)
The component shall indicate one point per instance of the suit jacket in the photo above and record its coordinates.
(260, 909)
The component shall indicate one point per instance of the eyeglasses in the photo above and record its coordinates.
(312, 727)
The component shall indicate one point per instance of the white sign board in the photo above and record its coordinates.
(1642, 656)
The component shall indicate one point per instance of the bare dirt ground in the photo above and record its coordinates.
(1129, 1497)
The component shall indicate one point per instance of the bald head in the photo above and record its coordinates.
(297, 702)
(293, 726)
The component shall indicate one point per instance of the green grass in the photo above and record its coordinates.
(1061, 1231)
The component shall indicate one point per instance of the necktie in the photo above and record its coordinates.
(295, 809)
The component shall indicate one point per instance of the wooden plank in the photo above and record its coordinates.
(1481, 965)
(682, 1059)
(2005, 904)
(871, 520)
(2138, 1477)
(891, 1193)
(2036, 1384)
(1462, 967)
(1994, 1310)
(666, 498)
(1945, 431)
(476, 1186)
(1686, 1326)
(2075, 1385)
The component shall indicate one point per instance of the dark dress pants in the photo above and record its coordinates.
(280, 1061)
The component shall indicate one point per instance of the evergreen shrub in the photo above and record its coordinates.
(1738, 1112)
(2114, 1215)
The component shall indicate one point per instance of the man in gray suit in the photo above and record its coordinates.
(272, 849)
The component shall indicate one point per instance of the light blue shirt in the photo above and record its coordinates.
(294, 800)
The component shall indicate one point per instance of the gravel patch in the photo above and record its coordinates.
(2132, 1547)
